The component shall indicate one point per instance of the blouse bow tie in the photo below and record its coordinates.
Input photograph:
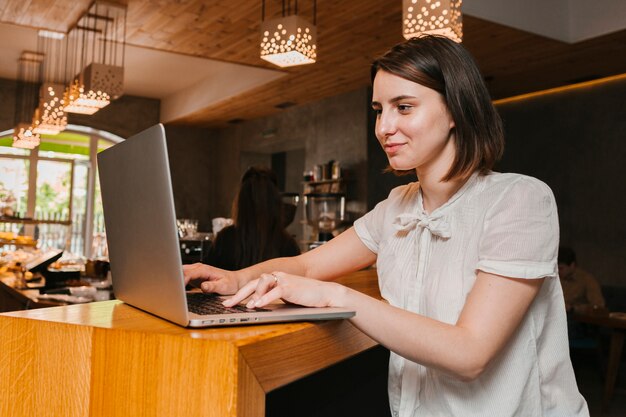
(436, 225)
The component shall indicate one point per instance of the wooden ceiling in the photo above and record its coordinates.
(351, 33)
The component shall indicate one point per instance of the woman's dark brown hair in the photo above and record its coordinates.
(445, 66)
(258, 232)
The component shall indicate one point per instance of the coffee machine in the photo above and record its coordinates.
(325, 212)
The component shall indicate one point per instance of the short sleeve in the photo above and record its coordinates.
(374, 226)
(369, 227)
(520, 235)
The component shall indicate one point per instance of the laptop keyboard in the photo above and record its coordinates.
(203, 304)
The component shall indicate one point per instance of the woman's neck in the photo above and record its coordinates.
(435, 192)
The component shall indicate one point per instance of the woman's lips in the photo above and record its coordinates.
(392, 148)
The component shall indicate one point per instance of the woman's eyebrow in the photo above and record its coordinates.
(394, 100)
(400, 98)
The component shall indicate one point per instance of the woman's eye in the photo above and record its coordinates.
(377, 112)
(404, 108)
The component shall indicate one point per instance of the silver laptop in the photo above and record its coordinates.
(144, 251)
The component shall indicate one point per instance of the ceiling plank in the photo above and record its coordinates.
(351, 33)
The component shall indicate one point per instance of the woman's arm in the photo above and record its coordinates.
(494, 309)
(345, 253)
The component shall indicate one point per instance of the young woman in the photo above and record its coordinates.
(258, 233)
(466, 257)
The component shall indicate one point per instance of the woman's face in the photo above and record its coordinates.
(413, 125)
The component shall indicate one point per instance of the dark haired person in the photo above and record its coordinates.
(581, 291)
(466, 257)
(258, 232)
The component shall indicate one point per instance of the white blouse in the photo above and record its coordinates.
(504, 224)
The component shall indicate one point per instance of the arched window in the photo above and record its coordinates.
(52, 192)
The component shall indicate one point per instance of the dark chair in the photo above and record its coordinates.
(615, 299)
(586, 342)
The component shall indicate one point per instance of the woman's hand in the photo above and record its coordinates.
(290, 288)
(214, 279)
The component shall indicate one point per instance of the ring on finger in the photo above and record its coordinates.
(275, 279)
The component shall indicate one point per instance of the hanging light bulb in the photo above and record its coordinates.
(83, 97)
(29, 70)
(24, 137)
(432, 17)
(49, 117)
(96, 53)
(289, 40)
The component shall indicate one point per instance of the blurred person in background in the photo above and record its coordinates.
(581, 290)
(258, 232)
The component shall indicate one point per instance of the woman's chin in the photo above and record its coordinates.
(398, 166)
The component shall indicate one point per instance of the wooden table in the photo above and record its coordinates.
(110, 359)
(618, 328)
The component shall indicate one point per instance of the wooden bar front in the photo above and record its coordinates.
(109, 359)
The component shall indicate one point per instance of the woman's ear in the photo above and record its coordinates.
(452, 124)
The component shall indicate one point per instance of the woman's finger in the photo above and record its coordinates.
(254, 289)
(265, 284)
(219, 286)
(243, 293)
(193, 271)
(269, 297)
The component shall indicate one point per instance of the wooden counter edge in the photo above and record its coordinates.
(283, 359)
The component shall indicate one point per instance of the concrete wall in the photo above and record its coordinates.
(124, 117)
(334, 128)
(575, 141)
(194, 187)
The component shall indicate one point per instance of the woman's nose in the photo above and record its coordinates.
(385, 125)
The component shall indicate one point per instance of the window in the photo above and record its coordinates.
(60, 192)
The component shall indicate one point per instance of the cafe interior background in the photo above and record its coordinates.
(556, 71)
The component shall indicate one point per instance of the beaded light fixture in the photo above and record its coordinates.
(432, 17)
(24, 137)
(96, 58)
(289, 40)
(29, 70)
(50, 118)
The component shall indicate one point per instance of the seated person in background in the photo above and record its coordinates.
(581, 290)
(258, 233)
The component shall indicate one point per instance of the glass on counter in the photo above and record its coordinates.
(187, 228)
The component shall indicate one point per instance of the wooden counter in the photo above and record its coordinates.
(110, 359)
